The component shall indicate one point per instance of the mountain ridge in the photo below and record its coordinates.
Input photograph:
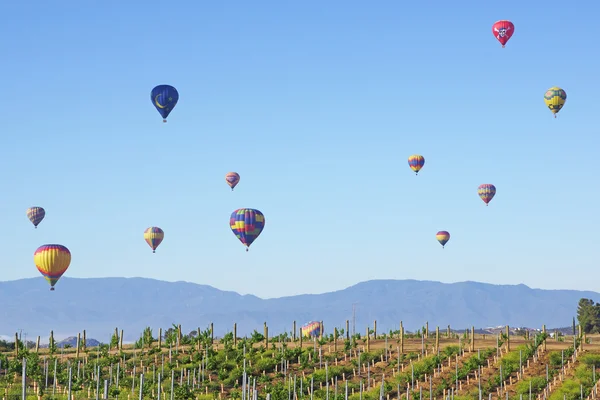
(98, 305)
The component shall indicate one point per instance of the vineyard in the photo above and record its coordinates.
(395, 365)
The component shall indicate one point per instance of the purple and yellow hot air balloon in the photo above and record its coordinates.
(154, 236)
(247, 224)
(486, 191)
(312, 329)
(232, 179)
(442, 237)
(416, 162)
(52, 260)
(36, 215)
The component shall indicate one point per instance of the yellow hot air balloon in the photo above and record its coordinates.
(555, 99)
(52, 260)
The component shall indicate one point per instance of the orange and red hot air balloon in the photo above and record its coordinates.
(232, 179)
(486, 191)
(52, 260)
(503, 31)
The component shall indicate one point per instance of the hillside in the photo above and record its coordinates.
(101, 304)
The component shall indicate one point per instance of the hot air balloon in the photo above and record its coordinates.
(442, 237)
(416, 162)
(555, 99)
(52, 260)
(503, 30)
(247, 224)
(154, 236)
(36, 215)
(232, 179)
(312, 329)
(487, 191)
(164, 98)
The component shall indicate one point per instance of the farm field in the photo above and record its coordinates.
(425, 365)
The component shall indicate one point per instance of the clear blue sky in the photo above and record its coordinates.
(317, 105)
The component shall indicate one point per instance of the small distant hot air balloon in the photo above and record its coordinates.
(312, 329)
(36, 215)
(416, 162)
(487, 191)
(52, 260)
(164, 98)
(232, 179)
(154, 236)
(555, 99)
(442, 237)
(247, 224)
(503, 30)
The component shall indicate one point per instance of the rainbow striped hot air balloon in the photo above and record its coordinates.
(247, 224)
(555, 99)
(154, 236)
(442, 237)
(486, 191)
(312, 329)
(232, 179)
(52, 260)
(36, 215)
(416, 162)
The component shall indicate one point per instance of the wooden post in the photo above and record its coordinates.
(426, 329)
(117, 336)
(159, 338)
(198, 336)
(437, 339)
(347, 330)
(121, 341)
(508, 338)
(37, 345)
(472, 338)
(368, 340)
(401, 338)
(235, 334)
(16, 346)
(375, 329)
(212, 333)
(266, 336)
(179, 333)
(335, 337)
(294, 332)
(84, 341)
(78, 344)
(544, 331)
(321, 331)
(448, 331)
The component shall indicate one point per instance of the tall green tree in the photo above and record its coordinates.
(588, 315)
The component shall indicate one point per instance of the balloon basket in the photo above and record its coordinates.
(246, 249)
(164, 120)
(36, 227)
(154, 251)
(502, 46)
(51, 288)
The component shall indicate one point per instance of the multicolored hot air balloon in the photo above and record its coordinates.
(555, 99)
(442, 237)
(52, 260)
(503, 30)
(487, 191)
(416, 162)
(36, 215)
(154, 236)
(312, 329)
(247, 224)
(232, 179)
(164, 98)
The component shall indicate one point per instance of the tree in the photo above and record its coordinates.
(588, 315)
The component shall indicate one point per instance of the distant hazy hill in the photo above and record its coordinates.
(101, 304)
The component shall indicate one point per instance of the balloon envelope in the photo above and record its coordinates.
(164, 98)
(312, 329)
(555, 99)
(247, 224)
(416, 162)
(154, 236)
(503, 31)
(486, 191)
(442, 237)
(52, 260)
(36, 215)
(232, 179)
